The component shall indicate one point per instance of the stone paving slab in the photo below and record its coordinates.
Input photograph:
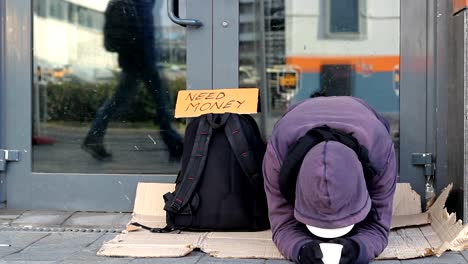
(108, 261)
(88, 253)
(465, 255)
(18, 241)
(55, 246)
(27, 262)
(42, 218)
(10, 213)
(102, 220)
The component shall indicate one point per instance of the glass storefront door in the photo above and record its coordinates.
(89, 98)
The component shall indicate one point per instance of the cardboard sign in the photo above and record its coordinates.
(459, 5)
(193, 103)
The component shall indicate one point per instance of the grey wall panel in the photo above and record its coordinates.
(454, 120)
(17, 108)
(413, 50)
(89, 192)
(199, 45)
(456, 97)
(225, 44)
(450, 80)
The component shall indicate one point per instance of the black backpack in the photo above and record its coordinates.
(220, 185)
(121, 25)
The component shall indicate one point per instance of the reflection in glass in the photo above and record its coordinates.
(113, 103)
(332, 47)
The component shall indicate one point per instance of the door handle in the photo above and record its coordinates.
(180, 21)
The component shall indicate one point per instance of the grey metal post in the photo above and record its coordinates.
(443, 63)
(261, 66)
(17, 62)
(413, 92)
(199, 45)
(225, 44)
(2, 96)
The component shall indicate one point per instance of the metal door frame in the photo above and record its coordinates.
(417, 93)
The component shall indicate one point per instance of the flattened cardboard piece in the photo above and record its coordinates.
(407, 208)
(410, 220)
(452, 232)
(406, 201)
(241, 245)
(149, 198)
(406, 243)
(146, 244)
(443, 233)
(149, 203)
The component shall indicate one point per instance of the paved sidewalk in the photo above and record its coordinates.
(75, 237)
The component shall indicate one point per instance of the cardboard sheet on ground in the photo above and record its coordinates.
(414, 234)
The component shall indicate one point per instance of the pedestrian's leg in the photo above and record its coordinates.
(94, 141)
(164, 114)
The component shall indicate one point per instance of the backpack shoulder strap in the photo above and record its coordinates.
(291, 165)
(244, 155)
(194, 168)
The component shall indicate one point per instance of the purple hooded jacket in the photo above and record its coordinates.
(348, 114)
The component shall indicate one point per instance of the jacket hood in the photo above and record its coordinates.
(331, 190)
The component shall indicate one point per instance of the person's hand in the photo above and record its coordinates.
(310, 253)
(350, 251)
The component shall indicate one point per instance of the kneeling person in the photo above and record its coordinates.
(330, 176)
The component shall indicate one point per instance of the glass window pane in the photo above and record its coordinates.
(106, 106)
(72, 13)
(301, 60)
(56, 9)
(39, 9)
(344, 16)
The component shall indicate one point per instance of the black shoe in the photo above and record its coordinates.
(97, 151)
